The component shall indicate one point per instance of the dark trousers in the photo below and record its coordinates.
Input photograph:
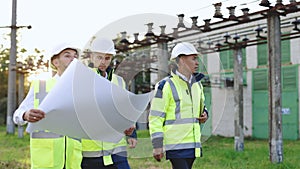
(95, 163)
(182, 163)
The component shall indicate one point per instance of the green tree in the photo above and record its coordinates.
(4, 57)
(30, 63)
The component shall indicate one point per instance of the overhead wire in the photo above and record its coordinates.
(196, 10)
(227, 1)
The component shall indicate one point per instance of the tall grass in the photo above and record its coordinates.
(14, 151)
(219, 153)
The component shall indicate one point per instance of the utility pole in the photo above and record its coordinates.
(238, 99)
(20, 99)
(11, 93)
(275, 117)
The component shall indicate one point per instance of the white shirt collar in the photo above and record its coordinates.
(106, 76)
(183, 77)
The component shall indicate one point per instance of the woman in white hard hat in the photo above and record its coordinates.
(47, 149)
(99, 154)
(177, 111)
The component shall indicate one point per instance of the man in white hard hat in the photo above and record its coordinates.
(47, 149)
(178, 109)
(99, 154)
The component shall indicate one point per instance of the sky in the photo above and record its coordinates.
(76, 21)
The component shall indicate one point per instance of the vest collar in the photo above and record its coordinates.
(184, 77)
(196, 77)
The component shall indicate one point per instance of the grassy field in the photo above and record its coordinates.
(218, 154)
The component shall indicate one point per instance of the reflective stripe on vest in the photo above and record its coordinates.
(157, 135)
(41, 89)
(45, 134)
(104, 152)
(175, 97)
(182, 146)
(181, 121)
(158, 113)
(116, 150)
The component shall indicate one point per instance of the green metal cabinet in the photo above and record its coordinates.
(290, 103)
(207, 127)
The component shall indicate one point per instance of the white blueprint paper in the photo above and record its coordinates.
(84, 105)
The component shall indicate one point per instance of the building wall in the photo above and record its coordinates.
(295, 51)
(223, 98)
(248, 105)
(213, 59)
(219, 97)
(295, 59)
(299, 99)
(222, 112)
(251, 62)
(251, 59)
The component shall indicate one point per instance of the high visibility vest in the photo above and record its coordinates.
(173, 115)
(93, 148)
(51, 150)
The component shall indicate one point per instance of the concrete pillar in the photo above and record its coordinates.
(275, 103)
(162, 60)
(12, 74)
(238, 100)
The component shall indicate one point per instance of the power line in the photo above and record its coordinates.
(247, 3)
(208, 6)
(196, 10)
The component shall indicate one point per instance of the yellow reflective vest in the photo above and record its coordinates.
(92, 148)
(51, 150)
(173, 122)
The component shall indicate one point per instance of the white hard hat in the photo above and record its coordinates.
(60, 47)
(183, 48)
(56, 50)
(103, 45)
